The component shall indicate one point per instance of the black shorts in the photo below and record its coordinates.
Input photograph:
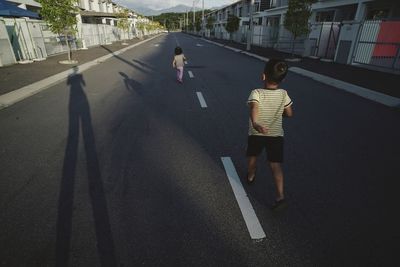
(273, 146)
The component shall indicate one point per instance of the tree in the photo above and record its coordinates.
(296, 19)
(210, 23)
(190, 26)
(232, 25)
(60, 15)
(141, 26)
(198, 25)
(123, 22)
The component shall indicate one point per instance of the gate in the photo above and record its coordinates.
(6, 51)
(378, 44)
(325, 44)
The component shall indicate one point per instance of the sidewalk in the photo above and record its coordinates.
(19, 75)
(378, 81)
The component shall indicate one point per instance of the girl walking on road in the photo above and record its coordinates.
(179, 63)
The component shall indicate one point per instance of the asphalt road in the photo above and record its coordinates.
(121, 166)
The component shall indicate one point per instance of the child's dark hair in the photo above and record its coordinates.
(178, 50)
(275, 70)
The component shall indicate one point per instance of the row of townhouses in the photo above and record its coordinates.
(25, 38)
(359, 32)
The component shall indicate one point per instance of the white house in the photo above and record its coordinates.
(363, 32)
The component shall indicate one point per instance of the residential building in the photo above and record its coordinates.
(30, 5)
(362, 32)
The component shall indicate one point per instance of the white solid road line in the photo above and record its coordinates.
(386, 100)
(249, 215)
(191, 74)
(201, 100)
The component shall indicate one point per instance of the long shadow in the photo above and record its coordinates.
(136, 66)
(80, 119)
(131, 84)
(143, 64)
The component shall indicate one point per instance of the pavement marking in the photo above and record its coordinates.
(201, 100)
(386, 100)
(176, 40)
(253, 224)
(157, 45)
(191, 74)
(199, 45)
(20, 94)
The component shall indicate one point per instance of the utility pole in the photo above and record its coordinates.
(250, 30)
(202, 20)
(187, 19)
(194, 15)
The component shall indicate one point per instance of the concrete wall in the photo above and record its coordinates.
(25, 40)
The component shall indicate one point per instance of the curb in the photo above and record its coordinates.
(17, 95)
(387, 100)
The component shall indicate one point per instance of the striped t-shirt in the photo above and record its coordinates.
(271, 103)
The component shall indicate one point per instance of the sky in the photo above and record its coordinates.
(161, 4)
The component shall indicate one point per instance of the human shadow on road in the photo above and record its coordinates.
(143, 64)
(130, 84)
(80, 119)
(136, 66)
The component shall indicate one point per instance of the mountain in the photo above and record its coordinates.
(177, 9)
(142, 10)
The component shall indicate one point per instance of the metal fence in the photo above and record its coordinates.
(323, 39)
(277, 37)
(378, 44)
(25, 40)
(6, 52)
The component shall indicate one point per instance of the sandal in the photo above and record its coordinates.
(250, 179)
(278, 204)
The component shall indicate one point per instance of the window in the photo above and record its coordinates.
(323, 16)
(376, 14)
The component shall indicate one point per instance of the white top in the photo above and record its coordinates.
(179, 60)
(271, 103)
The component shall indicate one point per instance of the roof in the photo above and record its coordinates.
(85, 13)
(10, 10)
(26, 2)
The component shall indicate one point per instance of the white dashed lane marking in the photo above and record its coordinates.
(201, 100)
(253, 224)
(191, 74)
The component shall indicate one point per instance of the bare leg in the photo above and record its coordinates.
(251, 167)
(278, 177)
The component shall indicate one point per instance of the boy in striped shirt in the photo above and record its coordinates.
(267, 107)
